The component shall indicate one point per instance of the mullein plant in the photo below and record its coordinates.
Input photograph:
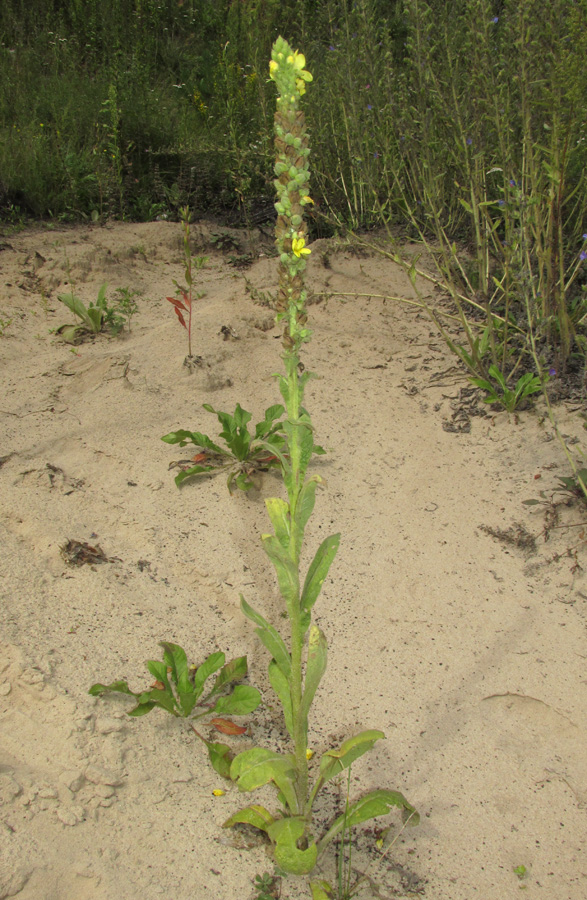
(298, 660)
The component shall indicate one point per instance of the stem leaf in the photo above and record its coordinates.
(334, 761)
(315, 668)
(279, 514)
(373, 804)
(270, 638)
(318, 571)
(281, 686)
(285, 568)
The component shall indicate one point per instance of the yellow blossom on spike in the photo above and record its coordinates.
(309, 754)
(300, 86)
(298, 245)
(307, 199)
(218, 793)
(273, 67)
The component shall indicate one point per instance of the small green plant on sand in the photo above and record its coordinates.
(499, 392)
(184, 295)
(181, 690)
(102, 315)
(298, 657)
(244, 455)
(4, 324)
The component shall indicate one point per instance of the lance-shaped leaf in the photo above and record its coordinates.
(315, 668)
(285, 568)
(254, 768)
(321, 890)
(182, 437)
(155, 697)
(373, 804)
(243, 700)
(270, 638)
(119, 687)
(286, 833)
(334, 761)
(281, 686)
(318, 571)
(279, 514)
(235, 670)
(263, 428)
(304, 508)
(210, 665)
(221, 757)
(257, 816)
(227, 726)
(176, 660)
(159, 671)
(194, 470)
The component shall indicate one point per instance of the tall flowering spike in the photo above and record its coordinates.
(287, 70)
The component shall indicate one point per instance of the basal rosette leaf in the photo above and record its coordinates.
(242, 700)
(255, 815)
(287, 833)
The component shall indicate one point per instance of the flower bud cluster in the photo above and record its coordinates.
(292, 185)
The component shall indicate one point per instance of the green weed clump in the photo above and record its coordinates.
(298, 657)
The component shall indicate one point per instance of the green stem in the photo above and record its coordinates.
(297, 633)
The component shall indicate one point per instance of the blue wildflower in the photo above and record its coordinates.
(369, 106)
(469, 141)
(552, 371)
(332, 47)
(495, 20)
(582, 255)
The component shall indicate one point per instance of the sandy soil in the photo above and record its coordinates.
(466, 646)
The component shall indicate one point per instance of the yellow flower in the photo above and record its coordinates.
(298, 246)
(273, 67)
(307, 199)
(309, 754)
(219, 793)
(298, 60)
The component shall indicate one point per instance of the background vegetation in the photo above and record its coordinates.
(458, 121)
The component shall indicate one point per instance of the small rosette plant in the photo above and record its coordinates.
(180, 689)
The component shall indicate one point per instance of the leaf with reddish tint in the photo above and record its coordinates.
(158, 685)
(225, 726)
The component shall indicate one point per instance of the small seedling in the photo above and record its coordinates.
(184, 296)
(99, 315)
(267, 887)
(245, 454)
(4, 324)
(510, 399)
(179, 689)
